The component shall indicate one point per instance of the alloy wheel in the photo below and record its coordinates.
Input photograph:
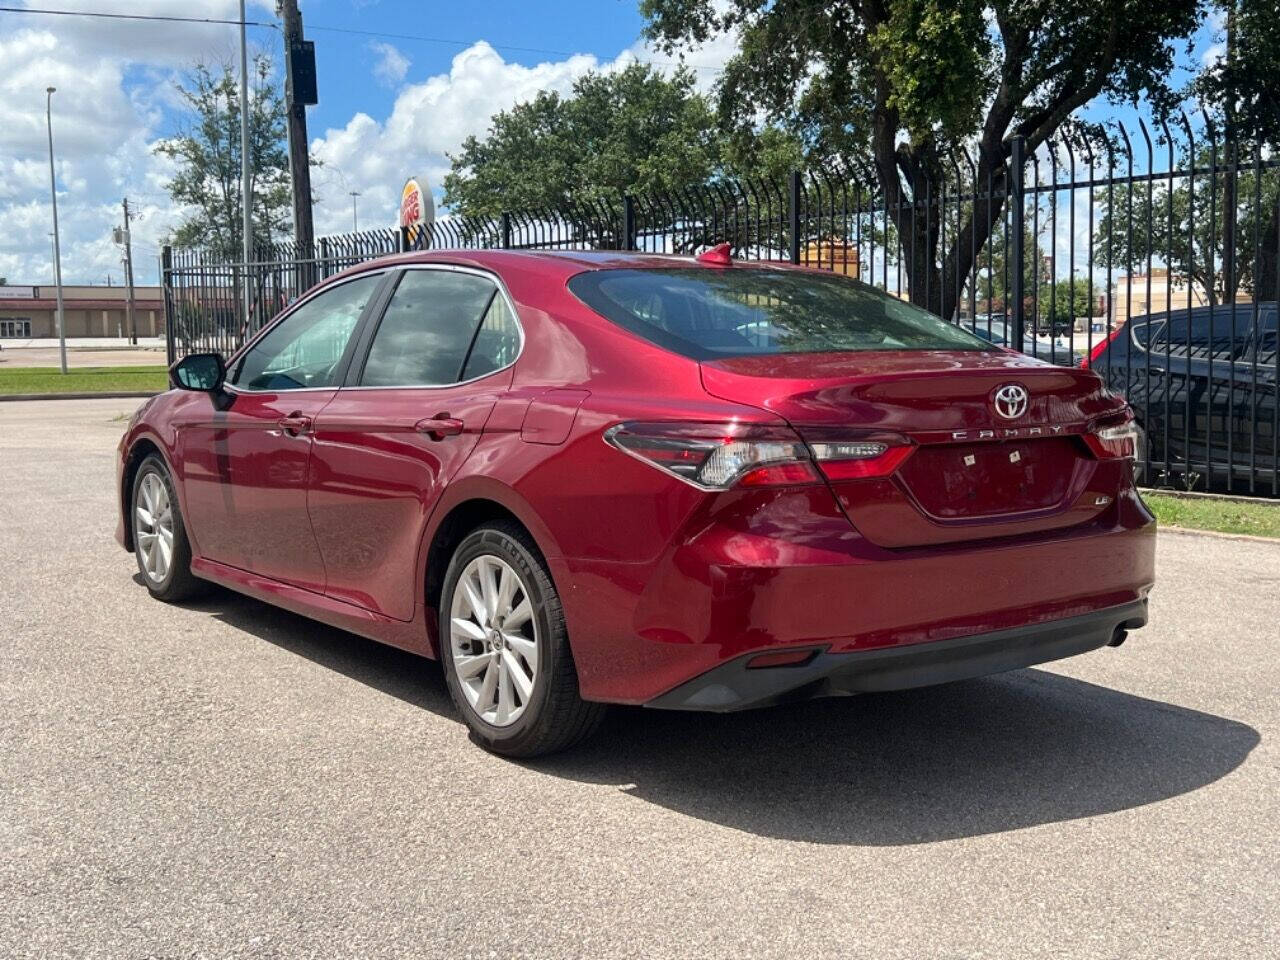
(153, 527)
(493, 640)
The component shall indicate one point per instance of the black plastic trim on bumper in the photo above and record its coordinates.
(732, 686)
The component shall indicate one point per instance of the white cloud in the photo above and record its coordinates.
(115, 83)
(430, 119)
(1213, 53)
(113, 79)
(392, 65)
(705, 61)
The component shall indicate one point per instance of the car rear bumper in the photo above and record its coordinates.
(736, 685)
(795, 579)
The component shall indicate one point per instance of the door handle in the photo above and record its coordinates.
(295, 424)
(440, 426)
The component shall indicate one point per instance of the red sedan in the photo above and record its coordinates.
(590, 478)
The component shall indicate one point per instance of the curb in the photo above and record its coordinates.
(1216, 534)
(109, 395)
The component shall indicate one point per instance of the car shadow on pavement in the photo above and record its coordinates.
(398, 673)
(961, 760)
(916, 766)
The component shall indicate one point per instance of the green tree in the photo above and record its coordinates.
(1243, 87)
(904, 82)
(1185, 227)
(630, 131)
(1065, 302)
(206, 149)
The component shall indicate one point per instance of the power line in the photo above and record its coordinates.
(351, 31)
(497, 46)
(135, 16)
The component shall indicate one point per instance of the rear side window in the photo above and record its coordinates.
(706, 313)
(427, 332)
(1222, 333)
(496, 344)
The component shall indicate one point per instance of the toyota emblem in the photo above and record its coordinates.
(1010, 400)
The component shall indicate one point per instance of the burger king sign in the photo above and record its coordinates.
(417, 207)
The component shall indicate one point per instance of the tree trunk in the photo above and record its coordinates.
(937, 277)
(988, 208)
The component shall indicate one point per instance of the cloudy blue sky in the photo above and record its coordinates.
(402, 83)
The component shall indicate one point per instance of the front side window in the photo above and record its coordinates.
(305, 349)
(705, 313)
(431, 331)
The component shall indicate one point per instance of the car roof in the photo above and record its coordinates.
(557, 264)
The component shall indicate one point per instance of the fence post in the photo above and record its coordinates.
(628, 222)
(402, 241)
(505, 225)
(1016, 163)
(166, 281)
(793, 215)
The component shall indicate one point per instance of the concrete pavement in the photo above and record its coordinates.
(83, 352)
(225, 779)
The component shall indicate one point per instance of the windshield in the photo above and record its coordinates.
(706, 313)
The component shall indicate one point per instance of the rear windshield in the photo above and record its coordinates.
(707, 313)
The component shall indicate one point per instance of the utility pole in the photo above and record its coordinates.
(246, 182)
(355, 221)
(300, 91)
(57, 249)
(128, 275)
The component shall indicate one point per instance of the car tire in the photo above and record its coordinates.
(156, 519)
(507, 664)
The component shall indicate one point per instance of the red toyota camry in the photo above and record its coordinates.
(591, 478)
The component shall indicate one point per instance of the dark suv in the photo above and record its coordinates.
(1202, 383)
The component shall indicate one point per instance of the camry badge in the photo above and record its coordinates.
(1010, 401)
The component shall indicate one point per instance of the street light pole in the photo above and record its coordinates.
(57, 249)
(127, 237)
(246, 192)
(355, 223)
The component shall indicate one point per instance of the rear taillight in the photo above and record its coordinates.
(857, 461)
(1114, 438)
(1099, 348)
(717, 456)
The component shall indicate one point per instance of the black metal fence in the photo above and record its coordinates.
(1148, 254)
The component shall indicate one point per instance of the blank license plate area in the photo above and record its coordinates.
(954, 481)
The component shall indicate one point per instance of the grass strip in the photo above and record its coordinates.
(53, 381)
(1222, 516)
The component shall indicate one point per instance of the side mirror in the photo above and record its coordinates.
(204, 372)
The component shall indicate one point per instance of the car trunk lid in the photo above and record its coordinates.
(973, 473)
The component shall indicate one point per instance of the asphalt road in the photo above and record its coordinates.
(228, 780)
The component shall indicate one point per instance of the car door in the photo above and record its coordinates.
(245, 466)
(429, 372)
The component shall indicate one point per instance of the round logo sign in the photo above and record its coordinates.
(1010, 400)
(417, 208)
